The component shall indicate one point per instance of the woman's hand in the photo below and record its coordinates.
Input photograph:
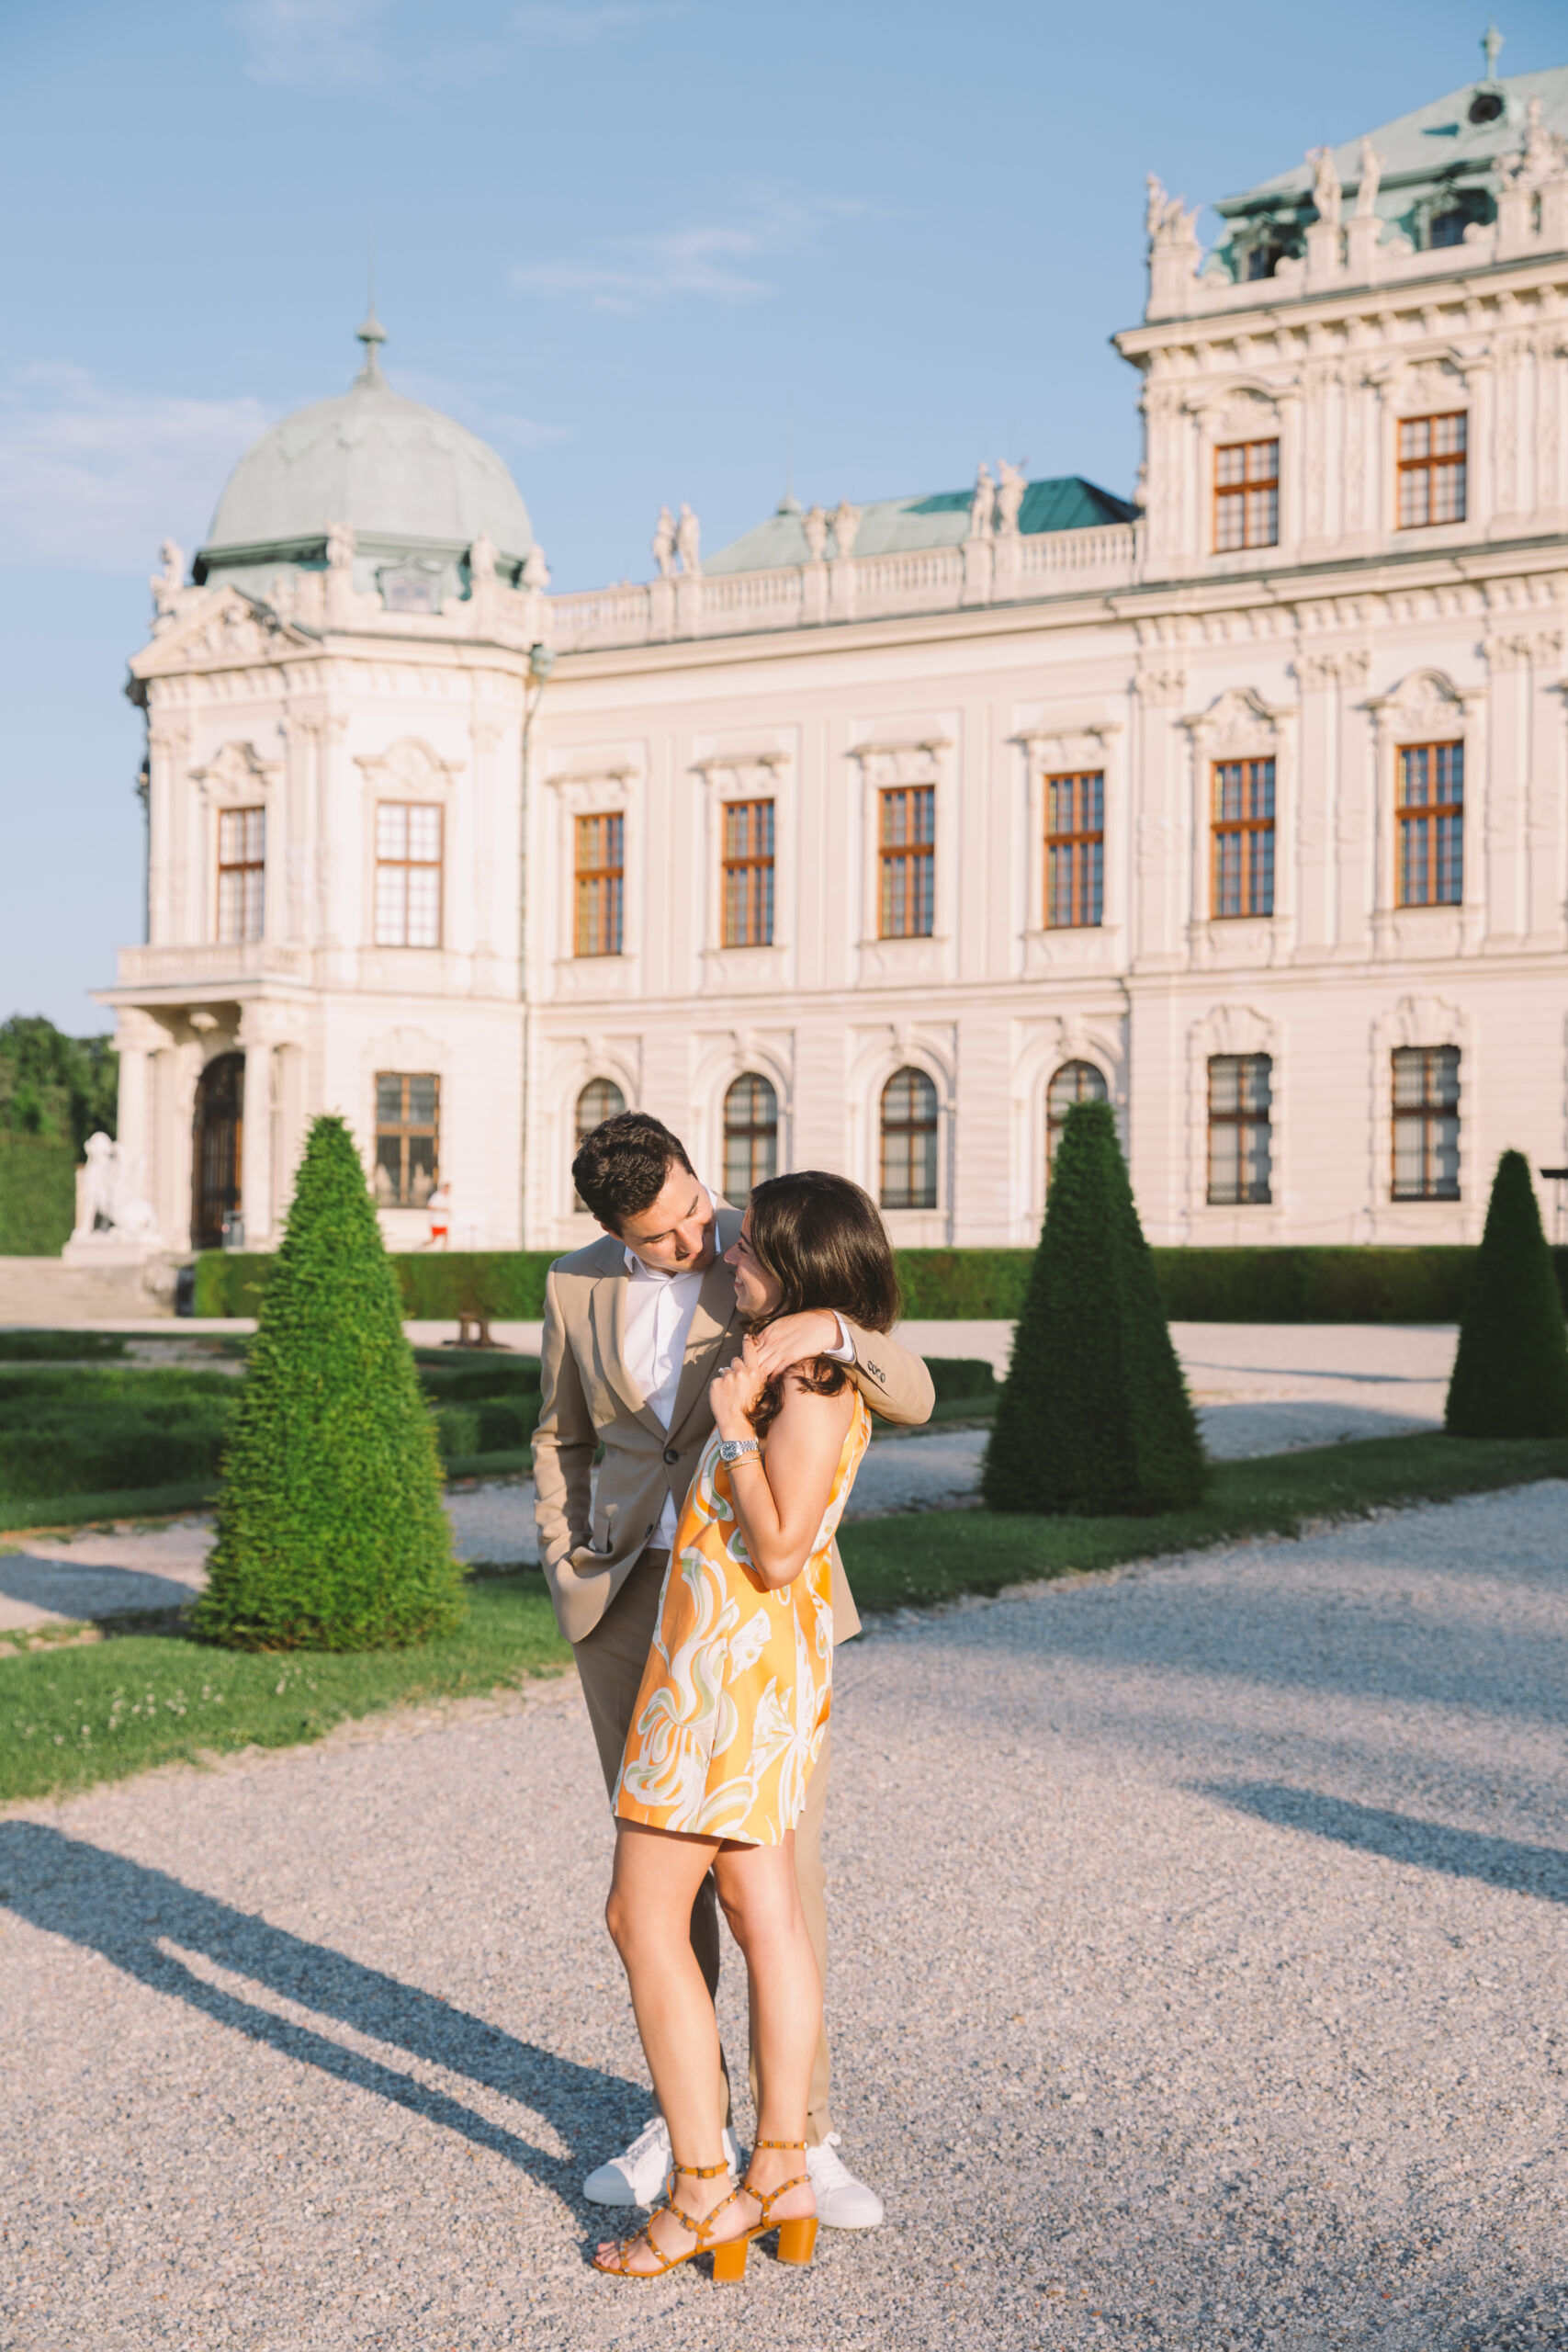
(794, 1338)
(735, 1390)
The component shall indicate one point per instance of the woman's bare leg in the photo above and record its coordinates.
(757, 1889)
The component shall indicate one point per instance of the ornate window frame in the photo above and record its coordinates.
(721, 1057)
(764, 773)
(1425, 1020)
(575, 1060)
(1239, 725)
(1071, 747)
(606, 787)
(1236, 1029)
(238, 777)
(410, 771)
(1428, 707)
(1245, 408)
(925, 761)
(876, 1054)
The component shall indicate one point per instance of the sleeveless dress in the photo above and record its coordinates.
(739, 1682)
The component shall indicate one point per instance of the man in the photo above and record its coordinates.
(636, 1327)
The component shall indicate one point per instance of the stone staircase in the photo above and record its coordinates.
(45, 1293)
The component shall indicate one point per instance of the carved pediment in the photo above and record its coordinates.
(222, 629)
(408, 765)
(1426, 701)
(1238, 721)
(238, 774)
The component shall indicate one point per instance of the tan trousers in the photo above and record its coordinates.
(610, 1662)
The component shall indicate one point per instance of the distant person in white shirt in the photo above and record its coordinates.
(636, 1325)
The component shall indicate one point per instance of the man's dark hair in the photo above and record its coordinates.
(620, 1168)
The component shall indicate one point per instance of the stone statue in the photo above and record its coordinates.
(97, 1182)
(1167, 219)
(1371, 180)
(1325, 192)
(845, 520)
(664, 543)
(982, 504)
(535, 570)
(1543, 154)
(814, 522)
(340, 546)
(481, 560)
(166, 585)
(688, 541)
(1010, 487)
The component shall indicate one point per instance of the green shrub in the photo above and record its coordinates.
(457, 1431)
(37, 1196)
(963, 1285)
(961, 1376)
(457, 1379)
(331, 1531)
(508, 1422)
(45, 1347)
(82, 1432)
(1510, 1375)
(1094, 1417)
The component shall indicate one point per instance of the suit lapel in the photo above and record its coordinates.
(607, 1313)
(715, 1316)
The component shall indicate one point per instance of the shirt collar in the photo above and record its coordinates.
(636, 1266)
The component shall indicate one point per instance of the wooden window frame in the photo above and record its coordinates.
(906, 877)
(1431, 1112)
(392, 913)
(581, 1133)
(1056, 1120)
(760, 1138)
(1075, 852)
(1244, 828)
(242, 879)
(748, 873)
(1429, 467)
(1239, 497)
(913, 1132)
(1429, 834)
(407, 1130)
(1244, 1118)
(599, 888)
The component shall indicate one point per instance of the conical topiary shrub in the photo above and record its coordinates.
(1094, 1416)
(1510, 1375)
(331, 1532)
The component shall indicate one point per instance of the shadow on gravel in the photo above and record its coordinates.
(1402, 1837)
(129, 1914)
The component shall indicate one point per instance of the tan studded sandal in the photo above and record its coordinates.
(617, 2264)
(798, 2238)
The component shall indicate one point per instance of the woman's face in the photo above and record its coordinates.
(757, 1292)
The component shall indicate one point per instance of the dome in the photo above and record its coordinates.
(407, 479)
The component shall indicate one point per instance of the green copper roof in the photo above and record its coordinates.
(402, 475)
(896, 526)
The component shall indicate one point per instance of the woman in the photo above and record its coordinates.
(727, 1725)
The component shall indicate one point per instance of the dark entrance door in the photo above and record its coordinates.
(215, 1169)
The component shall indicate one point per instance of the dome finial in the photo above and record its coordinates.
(371, 331)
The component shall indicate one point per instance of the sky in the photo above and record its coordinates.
(651, 250)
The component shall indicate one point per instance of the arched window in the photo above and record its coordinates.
(600, 1100)
(908, 1141)
(750, 1137)
(1074, 1083)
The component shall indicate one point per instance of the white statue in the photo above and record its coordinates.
(1167, 219)
(982, 504)
(1010, 487)
(535, 570)
(482, 558)
(814, 522)
(280, 596)
(1543, 154)
(688, 541)
(1371, 180)
(340, 546)
(845, 520)
(665, 544)
(97, 1182)
(1325, 190)
(166, 585)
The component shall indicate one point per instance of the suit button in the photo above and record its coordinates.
(670, 1454)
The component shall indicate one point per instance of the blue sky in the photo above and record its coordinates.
(640, 246)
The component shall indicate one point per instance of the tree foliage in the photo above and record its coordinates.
(1510, 1375)
(1094, 1417)
(331, 1531)
(62, 1089)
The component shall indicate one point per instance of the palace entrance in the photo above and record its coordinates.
(215, 1160)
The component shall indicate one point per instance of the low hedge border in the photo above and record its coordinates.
(1348, 1284)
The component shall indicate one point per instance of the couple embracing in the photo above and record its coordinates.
(725, 1365)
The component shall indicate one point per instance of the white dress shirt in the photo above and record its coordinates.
(661, 1303)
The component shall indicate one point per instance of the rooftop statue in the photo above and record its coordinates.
(1167, 219)
(845, 520)
(1011, 484)
(1543, 156)
(1371, 180)
(982, 505)
(688, 539)
(665, 544)
(1325, 189)
(814, 522)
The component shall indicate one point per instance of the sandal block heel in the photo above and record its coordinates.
(797, 2240)
(729, 2261)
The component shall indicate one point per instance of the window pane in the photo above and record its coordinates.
(424, 833)
(391, 830)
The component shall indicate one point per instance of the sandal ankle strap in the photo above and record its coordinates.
(778, 2144)
(705, 2172)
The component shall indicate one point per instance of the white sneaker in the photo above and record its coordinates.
(842, 2201)
(638, 2174)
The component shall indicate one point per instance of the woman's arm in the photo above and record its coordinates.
(780, 1503)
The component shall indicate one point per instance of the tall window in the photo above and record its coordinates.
(748, 873)
(601, 844)
(408, 874)
(1075, 850)
(909, 857)
(1246, 495)
(241, 873)
(408, 1159)
(1431, 470)
(908, 1141)
(1426, 1123)
(1241, 1094)
(1244, 837)
(1431, 824)
(600, 1100)
(1074, 1083)
(750, 1137)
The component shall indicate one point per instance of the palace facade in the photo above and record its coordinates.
(877, 838)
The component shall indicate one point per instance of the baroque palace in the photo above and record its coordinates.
(874, 840)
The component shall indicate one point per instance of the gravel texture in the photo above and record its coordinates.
(1201, 1963)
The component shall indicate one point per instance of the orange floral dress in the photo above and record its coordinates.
(739, 1681)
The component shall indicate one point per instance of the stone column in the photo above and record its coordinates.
(255, 1164)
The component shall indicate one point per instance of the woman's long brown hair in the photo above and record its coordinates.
(824, 1244)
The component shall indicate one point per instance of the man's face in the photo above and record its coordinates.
(679, 1230)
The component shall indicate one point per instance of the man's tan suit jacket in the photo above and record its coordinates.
(588, 1543)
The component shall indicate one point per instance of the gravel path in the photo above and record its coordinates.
(1200, 1954)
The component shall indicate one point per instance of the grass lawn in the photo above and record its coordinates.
(919, 1557)
(69, 1717)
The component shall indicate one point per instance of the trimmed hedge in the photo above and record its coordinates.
(37, 1196)
(74, 1431)
(1510, 1375)
(1348, 1285)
